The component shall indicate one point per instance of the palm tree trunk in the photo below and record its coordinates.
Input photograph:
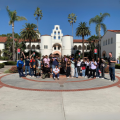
(99, 43)
(72, 28)
(30, 48)
(83, 45)
(13, 41)
(37, 23)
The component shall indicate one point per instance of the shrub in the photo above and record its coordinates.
(4, 58)
(14, 69)
(107, 69)
(1, 65)
(10, 63)
(117, 66)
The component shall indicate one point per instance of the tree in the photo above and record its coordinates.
(13, 17)
(82, 30)
(72, 19)
(29, 33)
(98, 20)
(39, 14)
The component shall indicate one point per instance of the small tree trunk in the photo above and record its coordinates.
(72, 28)
(13, 41)
(37, 23)
(83, 45)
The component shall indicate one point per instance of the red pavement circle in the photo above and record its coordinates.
(97, 88)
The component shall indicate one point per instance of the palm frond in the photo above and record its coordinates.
(103, 26)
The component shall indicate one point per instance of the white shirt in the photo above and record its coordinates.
(92, 65)
(56, 70)
(78, 63)
(87, 63)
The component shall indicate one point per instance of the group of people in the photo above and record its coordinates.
(68, 66)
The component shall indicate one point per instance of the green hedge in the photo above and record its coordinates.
(1, 65)
(10, 63)
(4, 58)
(117, 66)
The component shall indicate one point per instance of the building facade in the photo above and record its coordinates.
(110, 42)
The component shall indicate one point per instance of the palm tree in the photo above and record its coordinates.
(72, 19)
(98, 20)
(29, 33)
(82, 30)
(39, 14)
(13, 17)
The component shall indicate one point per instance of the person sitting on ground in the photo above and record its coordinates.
(56, 72)
(46, 72)
(20, 65)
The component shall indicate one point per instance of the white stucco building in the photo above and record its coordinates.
(110, 42)
(56, 43)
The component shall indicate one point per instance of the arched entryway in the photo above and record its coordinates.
(104, 54)
(57, 53)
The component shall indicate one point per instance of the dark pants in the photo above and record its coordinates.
(20, 71)
(93, 72)
(112, 73)
(44, 75)
(68, 71)
(31, 71)
(102, 72)
(97, 72)
(78, 70)
(87, 71)
(62, 70)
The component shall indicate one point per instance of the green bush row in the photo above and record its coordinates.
(10, 63)
(2, 65)
(4, 58)
(117, 66)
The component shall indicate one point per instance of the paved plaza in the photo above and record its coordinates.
(64, 99)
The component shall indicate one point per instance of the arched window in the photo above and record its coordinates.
(79, 47)
(88, 47)
(75, 47)
(28, 47)
(38, 47)
(33, 46)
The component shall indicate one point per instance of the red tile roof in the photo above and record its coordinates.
(79, 41)
(3, 39)
(114, 30)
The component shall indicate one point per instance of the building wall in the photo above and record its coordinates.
(109, 47)
(117, 46)
(2, 46)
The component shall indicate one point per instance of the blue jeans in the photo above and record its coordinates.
(20, 72)
(83, 72)
(76, 72)
(27, 68)
(53, 66)
(31, 71)
(97, 72)
(54, 75)
(112, 73)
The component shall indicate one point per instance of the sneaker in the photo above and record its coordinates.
(54, 78)
(85, 76)
(102, 78)
(58, 78)
(67, 77)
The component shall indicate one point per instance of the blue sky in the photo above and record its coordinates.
(55, 12)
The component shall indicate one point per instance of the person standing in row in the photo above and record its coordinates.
(98, 68)
(93, 67)
(72, 67)
(87, 68)
(102, 66)
(20, 65)
(68, 65)
(112, 61)
(32, 66)
(76, 71)
(83, 66)
(78, 66)
(63, 66)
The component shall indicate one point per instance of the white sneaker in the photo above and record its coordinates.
(102, 78)
(67, 77)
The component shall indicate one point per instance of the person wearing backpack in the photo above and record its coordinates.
(20, 65)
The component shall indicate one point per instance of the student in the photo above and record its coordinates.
(93, 67)
(83, 66)
(46, 60)
(68, 64)
(87, 68)
(56, 72)
(38, 69)
(102, 66)
(20, 65)
(46, 72)
(27, 61)
(72, 67)
(78, 66)
(32, 66)
(63, 66)
(98, 68)
(76, 70)
(117, 60)
(112, 61)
